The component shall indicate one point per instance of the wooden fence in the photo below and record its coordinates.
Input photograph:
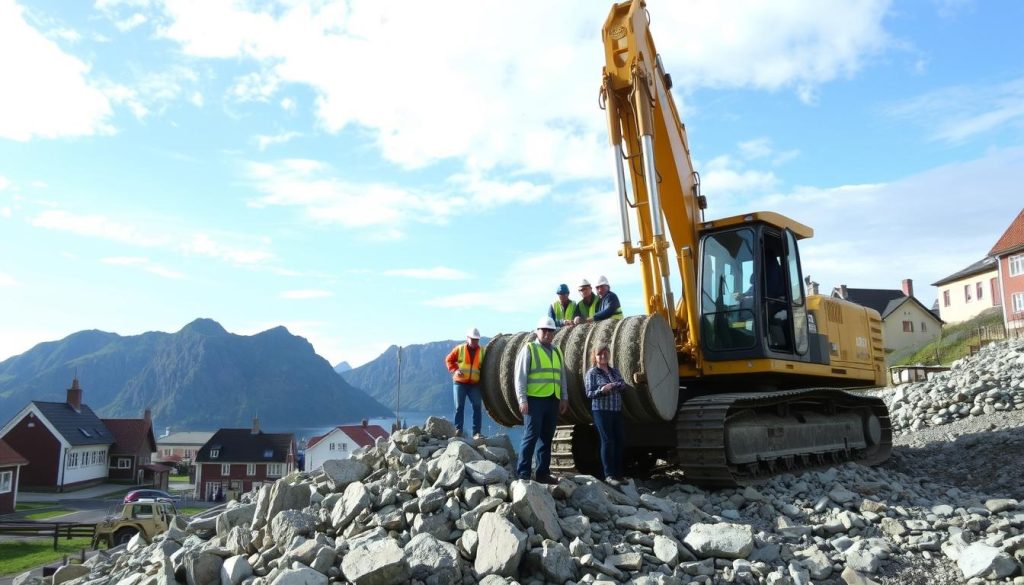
(56, 530)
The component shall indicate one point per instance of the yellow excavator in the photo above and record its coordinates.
(736, 373)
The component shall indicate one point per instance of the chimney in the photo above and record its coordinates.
(75, 395)
(365, 423)
(843, 293)
(147, 415)
(256, 425)
(167, 431)
(908, 287)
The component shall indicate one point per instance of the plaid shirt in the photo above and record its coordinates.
(596, 378)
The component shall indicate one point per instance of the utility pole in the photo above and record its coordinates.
(398, 400)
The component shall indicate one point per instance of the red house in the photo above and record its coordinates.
(131, 453)
(238, 460)
(10, 463)
(1009, 251)
(65, 443)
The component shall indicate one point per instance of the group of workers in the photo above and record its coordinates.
(540, 384)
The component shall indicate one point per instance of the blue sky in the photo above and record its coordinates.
(370, 173)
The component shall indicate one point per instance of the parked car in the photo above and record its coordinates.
(136, 495)
(148, 517)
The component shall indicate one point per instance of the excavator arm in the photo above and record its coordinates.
(648, 140)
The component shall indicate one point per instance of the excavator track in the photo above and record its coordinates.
(576, 449)
(726, 440)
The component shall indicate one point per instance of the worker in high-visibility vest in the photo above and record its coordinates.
(587, 305)
(563, 310)
(464, 364)
(542, 394)
(608, 306)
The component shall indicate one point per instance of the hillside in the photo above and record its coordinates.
(426, 383)
(199, 377)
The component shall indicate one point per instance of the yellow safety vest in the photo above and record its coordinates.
(469, 372)
(545, 375)
(563, 315)
(588, 311)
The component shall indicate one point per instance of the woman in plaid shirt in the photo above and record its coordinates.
(604, 385)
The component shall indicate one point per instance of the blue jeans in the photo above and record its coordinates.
(461, 392)
(540, 425)
(613, 440)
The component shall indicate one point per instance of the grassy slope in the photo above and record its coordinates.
(953, 344)
(17, 556)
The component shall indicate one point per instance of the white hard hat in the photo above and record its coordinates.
(602, 281)
(473, 333)
(546, 323)
(584, 283)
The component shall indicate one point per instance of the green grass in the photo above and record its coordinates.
(179, 478)
(43, 514)
(18, 556)
(24, 506)
(190, 511)
(954, 343)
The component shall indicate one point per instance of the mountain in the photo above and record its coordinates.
(342, 367)
(426, 383)
(201, 377)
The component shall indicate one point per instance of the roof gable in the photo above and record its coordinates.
(242, 445)
(131, 435)
(9, 457)
(75, 427)
(1012, 239)
(358, 434)
(872, 298)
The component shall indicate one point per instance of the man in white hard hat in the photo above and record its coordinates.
(608, 306)
(542, 394)
(464, 363)
(587, 305)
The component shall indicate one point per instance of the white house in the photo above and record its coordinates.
(339, 442)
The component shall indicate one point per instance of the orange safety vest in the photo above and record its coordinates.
(469, 372)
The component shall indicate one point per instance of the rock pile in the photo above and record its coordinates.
(424, 507)
(990, 381)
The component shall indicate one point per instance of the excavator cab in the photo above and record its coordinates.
(752, 302)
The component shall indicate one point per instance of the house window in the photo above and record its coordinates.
(967, 293)
(344, 446)
(250, 469)
(945, 298)
(1016, 265)
(214, 453)
(124, 463)
(6, 481)
(188, 453)
(332, 447)
(1018, 302)
(225, 469)
(275, 469)
(268, 453)
(908, 326)
(979, 290)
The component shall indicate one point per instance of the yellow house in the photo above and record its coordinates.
(968, 292)
(905, 321)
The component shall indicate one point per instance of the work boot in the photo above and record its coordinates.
(478, 436)
(547, 480)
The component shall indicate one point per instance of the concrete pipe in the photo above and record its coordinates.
(642, 348)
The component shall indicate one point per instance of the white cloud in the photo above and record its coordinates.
(205, 245)
(133, 21)
(955, 114)
(8, 280)
(436, 273)
(498, 87)
(264, 140)
(96, 226)
(143, 263)
(48, 92)
(304, 294)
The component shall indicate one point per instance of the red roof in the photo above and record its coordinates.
(8, 456)
(362, 436)
(130, 435)
(1012, 239)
